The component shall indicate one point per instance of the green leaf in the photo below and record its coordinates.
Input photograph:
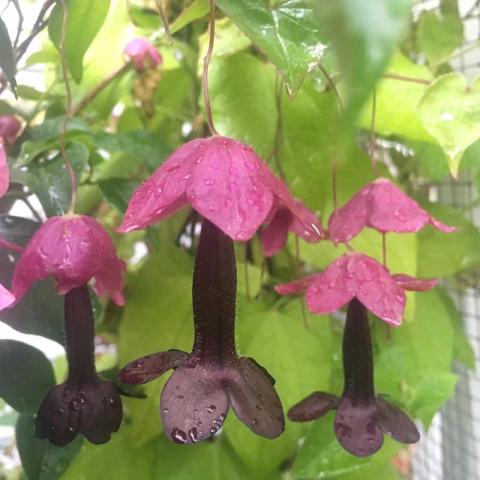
(299, 358)
(321, 456)
(363, 35)
(144, 17)
(26, 375)
(84, 20)
(118, 191)
(157, 317)
(41, 311)
(450, 111)
(439, 34)
(40, 459)
(7, 57)
(196, 10)
(242, 90)
(399, 118)
(288, 32)
(49, 180)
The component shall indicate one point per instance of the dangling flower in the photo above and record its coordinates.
(85, 403)
(72, 249)
(10, 127)
(383, 206)
(357, 275)
(142, 53)
(206, 382)
(362, 418)
(224, 181)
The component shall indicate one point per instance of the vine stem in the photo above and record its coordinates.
(404, 78)
(163, 17)
(206, 64)
(373, 141)
(63, 150)
(384, 249)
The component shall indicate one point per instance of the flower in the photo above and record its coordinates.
(224, 181)
(142, 53)
(383, 206)
(72, 249)
(362, 418)
(10, 127)
(206, 382)
(357, 275)
(85, 403)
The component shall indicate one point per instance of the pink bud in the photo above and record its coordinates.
(142, 53)
(72, 250)
(10, 127)
(383, 206)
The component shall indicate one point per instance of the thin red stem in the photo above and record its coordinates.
(384, 249)
(404, 78)
(63, 150)
(206, 64)
(10, 246)
(373, 141)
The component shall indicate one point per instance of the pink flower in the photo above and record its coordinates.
(10, 127)
(142, 53)
(383, 206)
(357, 275)
(227, 183)
(72, 250)
(4, 172)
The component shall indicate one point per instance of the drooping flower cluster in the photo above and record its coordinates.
(142, 53)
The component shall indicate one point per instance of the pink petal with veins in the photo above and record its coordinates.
(414, 284)
(297, 286)
(274, 236)
(72, 250)
(4, 172)
(383, 206)
(360, 276)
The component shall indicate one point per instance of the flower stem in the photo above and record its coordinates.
(405, 78)
(206, 64)
(373, 140)
(63, 150)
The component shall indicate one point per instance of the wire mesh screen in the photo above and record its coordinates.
(450, 450)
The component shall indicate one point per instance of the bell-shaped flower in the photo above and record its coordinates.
(357, 275)
(10, 127)
(85, 404)
(213, 378)
(362, 418)
(72, 249)
(383, 206)
(227, 183)
(142, 53)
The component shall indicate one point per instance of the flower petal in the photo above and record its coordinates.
(274, 235)
(73, 250)
(230, 187)
(138, 49)
(441, 226)
(356, 428)
(414, 284)
(4, 172)
(6, 298)
(348, 221)
(164, 192)
(193, 404)
(297, 286)
(314, 406)
(254, 399)
(150, 367)
(10, 127)
(396, 423)
(101, 412)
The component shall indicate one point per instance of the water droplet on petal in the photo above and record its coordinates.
(178, 436)
(211, 408)
(193, 434)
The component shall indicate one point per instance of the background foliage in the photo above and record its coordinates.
(267, 90)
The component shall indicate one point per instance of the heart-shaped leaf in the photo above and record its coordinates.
(450, 111)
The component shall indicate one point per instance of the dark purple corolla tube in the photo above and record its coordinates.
(362, 418)
(85, 403)
(206, 382)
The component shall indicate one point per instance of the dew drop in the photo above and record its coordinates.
(165, 410)
(211, 408)
(178, 436)
(193, 434)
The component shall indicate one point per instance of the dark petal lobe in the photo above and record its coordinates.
(396, 423)
(58, 418)
(315, 405)
(254, 399)
(150, 367)
(193, 404)
(101, 411)
(356, 427)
